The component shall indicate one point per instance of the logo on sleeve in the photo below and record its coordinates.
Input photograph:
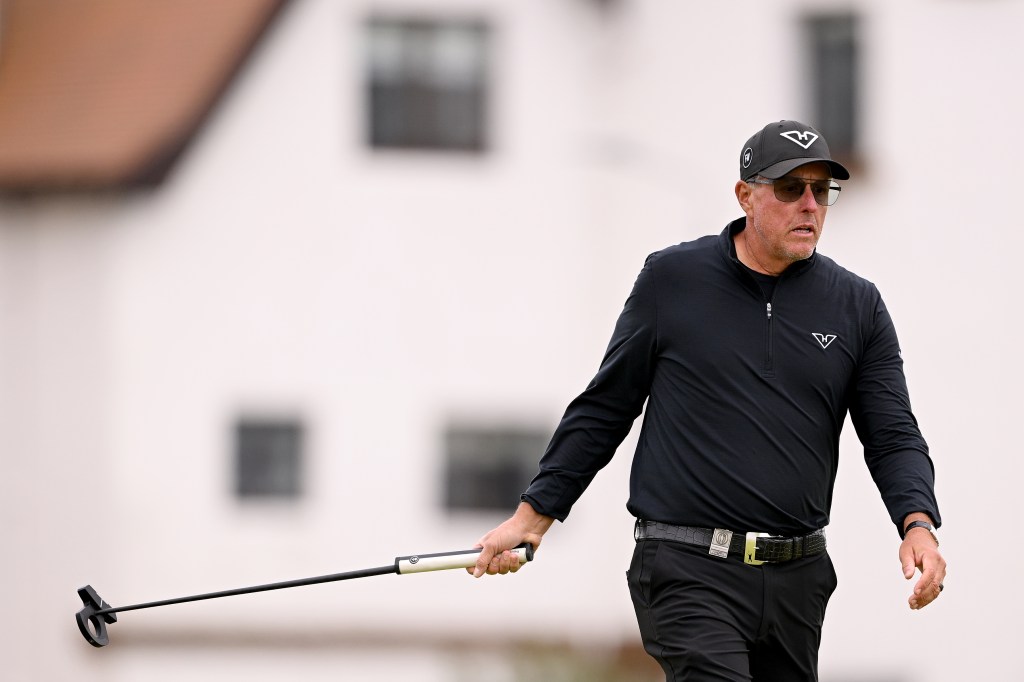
(824, 339)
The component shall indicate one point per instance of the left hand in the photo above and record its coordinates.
(919, 551)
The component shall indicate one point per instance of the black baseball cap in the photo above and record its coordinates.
(780, 147)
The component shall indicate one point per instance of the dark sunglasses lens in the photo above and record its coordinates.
(825, 194)
(788, 190)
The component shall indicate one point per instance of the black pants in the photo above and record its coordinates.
(704, 618)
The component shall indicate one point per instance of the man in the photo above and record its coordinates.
(749, 349)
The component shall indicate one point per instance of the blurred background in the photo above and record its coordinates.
(293, 287)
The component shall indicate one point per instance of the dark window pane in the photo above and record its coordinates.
(268, 458)
(833, 57)
(488, 468)
(427, 84)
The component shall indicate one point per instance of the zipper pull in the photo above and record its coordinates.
(769, 311)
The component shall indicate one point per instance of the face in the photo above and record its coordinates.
(780, 233)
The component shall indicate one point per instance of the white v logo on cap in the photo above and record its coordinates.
(805, 138)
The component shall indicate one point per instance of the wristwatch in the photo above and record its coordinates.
(922, 524)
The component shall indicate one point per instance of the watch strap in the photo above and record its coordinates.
(921, 524)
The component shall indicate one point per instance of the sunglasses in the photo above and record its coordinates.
(825, 192)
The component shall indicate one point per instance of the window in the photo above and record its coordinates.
(427, 84)
(268, 459)
(834, 73)
(488, 468)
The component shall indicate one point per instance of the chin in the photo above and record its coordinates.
(802, 254)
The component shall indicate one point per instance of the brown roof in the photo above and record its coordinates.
(100, 94)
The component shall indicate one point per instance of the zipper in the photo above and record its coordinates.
(768, 368)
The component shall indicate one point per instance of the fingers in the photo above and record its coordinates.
(925, 557)
(495, 564)
(488, 550)
(495, 557)
(908, 560)
(506, 562)
(926, 591)
(482, 563)
(526, 525)
(929, 587)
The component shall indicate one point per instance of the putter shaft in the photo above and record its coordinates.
(97, 614)
(363, 573)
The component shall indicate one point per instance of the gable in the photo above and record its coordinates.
(106, 94)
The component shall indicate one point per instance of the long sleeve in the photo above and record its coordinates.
(894, 449)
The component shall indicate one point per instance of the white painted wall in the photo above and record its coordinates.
(285, 268)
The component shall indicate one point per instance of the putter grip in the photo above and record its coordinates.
(421, 563)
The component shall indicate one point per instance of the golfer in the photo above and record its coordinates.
(749, 348)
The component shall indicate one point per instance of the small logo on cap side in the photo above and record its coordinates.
(805, 139)
(748, 156)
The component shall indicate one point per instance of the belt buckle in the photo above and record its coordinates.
(750, 551)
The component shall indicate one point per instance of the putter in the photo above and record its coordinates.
(97, 614)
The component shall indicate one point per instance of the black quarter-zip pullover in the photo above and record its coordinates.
(746, 397)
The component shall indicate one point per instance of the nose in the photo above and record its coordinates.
(807, 202)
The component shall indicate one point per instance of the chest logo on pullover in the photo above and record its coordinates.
(824, 339)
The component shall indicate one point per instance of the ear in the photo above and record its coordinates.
(743, 194)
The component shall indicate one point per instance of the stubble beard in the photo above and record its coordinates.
(780, 252)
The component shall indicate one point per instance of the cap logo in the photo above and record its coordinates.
(748, 156)
(805, 139)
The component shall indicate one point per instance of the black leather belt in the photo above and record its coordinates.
(754, 548)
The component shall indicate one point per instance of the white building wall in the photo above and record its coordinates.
(286, 269)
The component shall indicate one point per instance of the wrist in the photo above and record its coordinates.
(922, 524)
(530, 520)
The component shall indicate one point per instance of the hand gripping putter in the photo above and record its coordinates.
(97, 614)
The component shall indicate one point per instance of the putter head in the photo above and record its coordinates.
(92, 624)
